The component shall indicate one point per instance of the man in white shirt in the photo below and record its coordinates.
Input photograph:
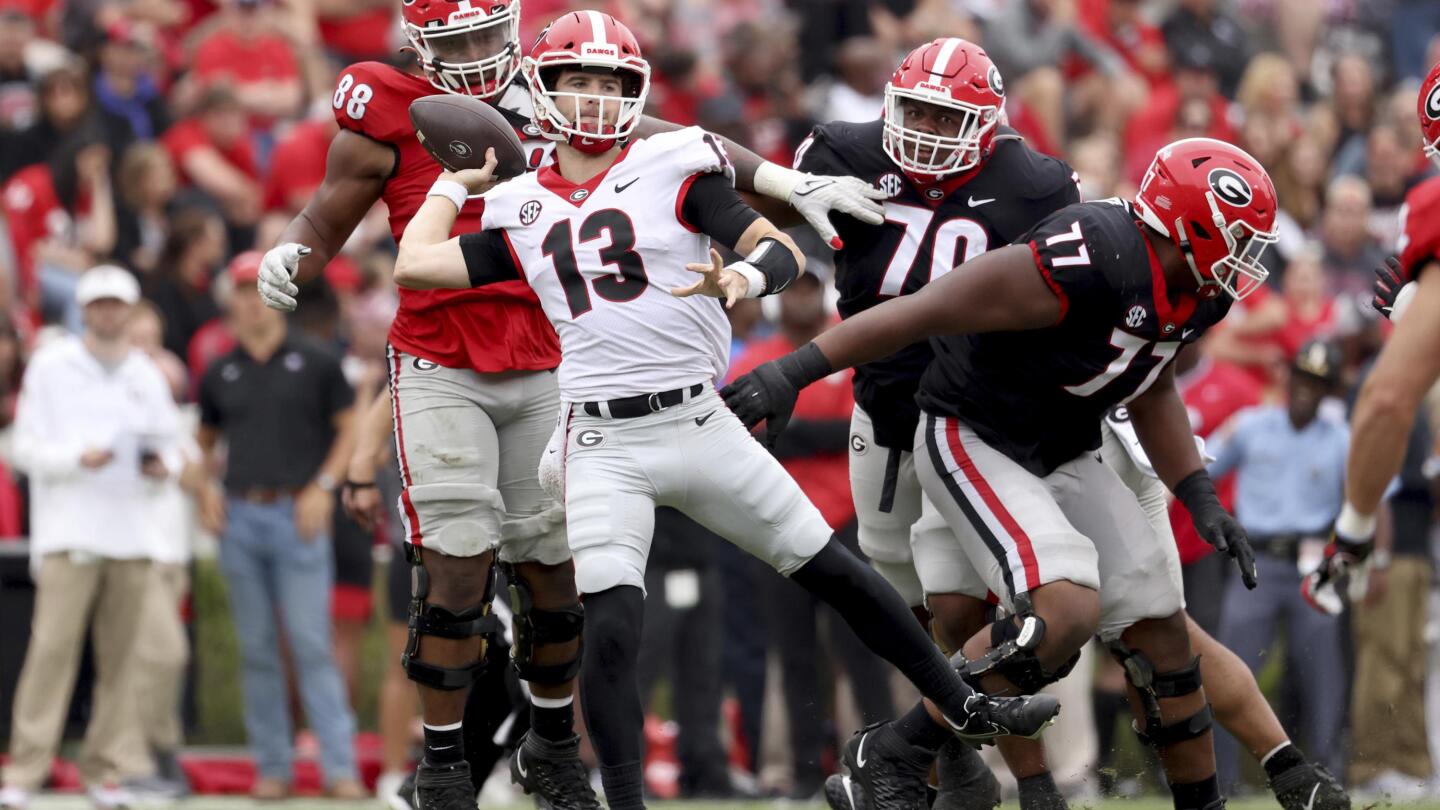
(96, 430)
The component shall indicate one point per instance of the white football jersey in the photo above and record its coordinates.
(603, 256)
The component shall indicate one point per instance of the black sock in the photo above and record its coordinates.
(1196, 795)
(916, 727)
(624, 785)
(1038, 790)
(883, 622)
(444, 745)
(611, 694)
(553, 723)
(1108, 706)
(1287, 757)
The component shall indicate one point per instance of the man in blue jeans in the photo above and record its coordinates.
(1291, 466)
(283, 408)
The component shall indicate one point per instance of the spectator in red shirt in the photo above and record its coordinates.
(1192, 107)
(813, 450)
(297, 166)
(61, 217)
(248, 52)
(214, 154)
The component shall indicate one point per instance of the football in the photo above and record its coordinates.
(456, 130)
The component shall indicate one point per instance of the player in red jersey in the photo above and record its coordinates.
(1407, 367)
(472, 394)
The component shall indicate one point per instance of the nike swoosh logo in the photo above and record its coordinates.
(860, 752)
(443, 747)
(520, 764)
(1187, 333)
(701, 420)
(619, 187)
(974, 203)
(1310, 805)
(810, 189)
(849, 791)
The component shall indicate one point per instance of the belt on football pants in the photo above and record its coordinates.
(641, 404)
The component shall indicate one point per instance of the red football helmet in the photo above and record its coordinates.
(953, 73)
(465, 47)
(1218, 205)
(1429, 108)
(587, 40)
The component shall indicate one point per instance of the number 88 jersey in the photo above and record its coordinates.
(928, 231)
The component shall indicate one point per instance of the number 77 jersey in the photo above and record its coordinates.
(929, 229)
(1038, 396)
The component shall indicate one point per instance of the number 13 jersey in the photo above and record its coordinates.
(603, 257)
(928, 231)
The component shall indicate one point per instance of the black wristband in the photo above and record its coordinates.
(1196, 491)
(776, 263)
(805, 365)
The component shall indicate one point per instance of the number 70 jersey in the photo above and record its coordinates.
(603, 256)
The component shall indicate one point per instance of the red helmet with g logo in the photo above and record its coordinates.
(951, 73)
(1429, 110)
(1217, 204)
(587, 40)
(465, 47)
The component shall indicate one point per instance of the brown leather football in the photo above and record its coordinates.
(456, 130)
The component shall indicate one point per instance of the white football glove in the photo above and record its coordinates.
(814, 196)
(277, 272)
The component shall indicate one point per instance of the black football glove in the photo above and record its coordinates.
(768, 393)
(1388, 282)
(1217, 526)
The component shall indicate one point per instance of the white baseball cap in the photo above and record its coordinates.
(107, 281)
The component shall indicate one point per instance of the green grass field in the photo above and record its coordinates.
(209, 803)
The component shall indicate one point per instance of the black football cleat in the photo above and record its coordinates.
(966, 782)
(1309, 786)
(885, 773)
(553, 773)
(443, 787)
(991, 717)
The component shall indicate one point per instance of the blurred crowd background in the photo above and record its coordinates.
(168, 136)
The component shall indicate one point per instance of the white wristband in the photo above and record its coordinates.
(776, 181)
(752, 275)
(450, 190)
(1354, 527)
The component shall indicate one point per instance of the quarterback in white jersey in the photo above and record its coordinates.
(611, 238)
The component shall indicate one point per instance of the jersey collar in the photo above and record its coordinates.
(575, 193)
(1171, 318)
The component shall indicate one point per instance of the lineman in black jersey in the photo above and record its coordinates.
(929, 228)
(1035, 341)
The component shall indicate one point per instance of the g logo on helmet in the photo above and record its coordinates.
(992, 77)
(1230, 187)
(1432, 104)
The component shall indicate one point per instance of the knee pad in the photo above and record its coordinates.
(432, 620)
(1012, 656)
(1155, 686)
(534, 627)
(462, 520)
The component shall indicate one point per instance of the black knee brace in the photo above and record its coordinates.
(432, 620)
(535, 627)
(1012, 656)
(1154, 686)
